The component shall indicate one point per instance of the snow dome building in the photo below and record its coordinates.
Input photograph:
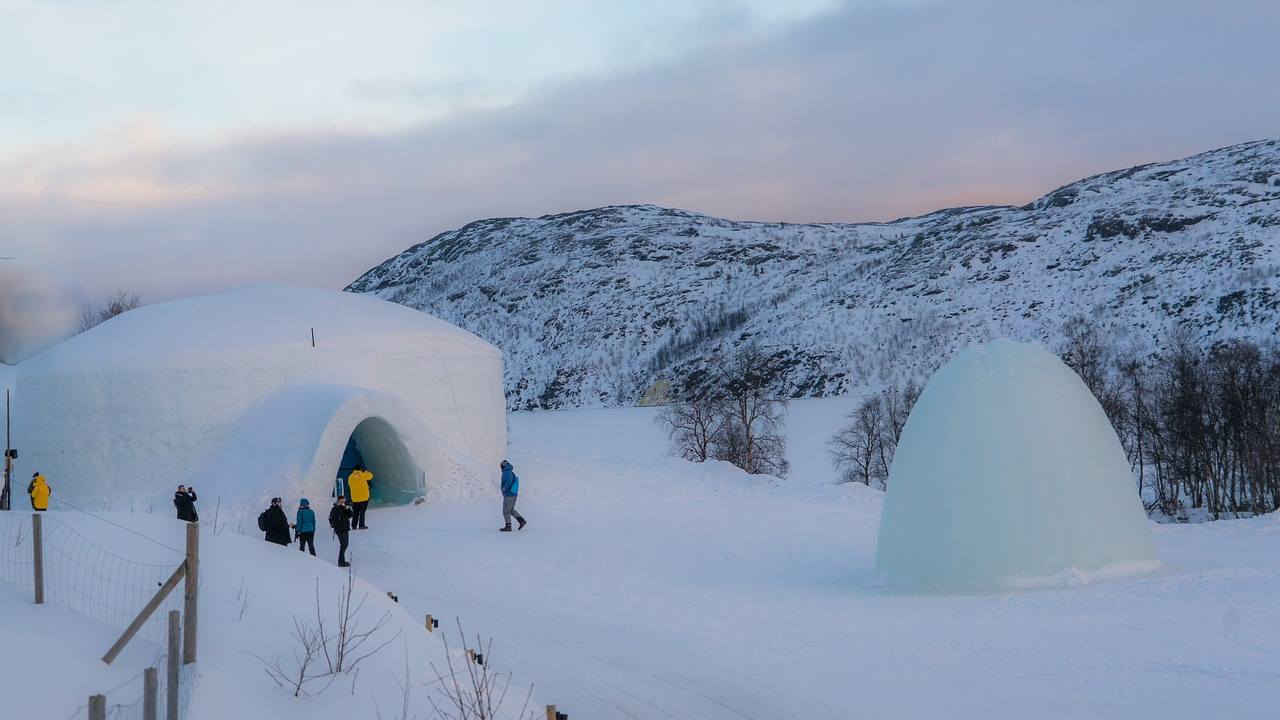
(1009, 473)
(260, 391)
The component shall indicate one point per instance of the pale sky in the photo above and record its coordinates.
(172, 147)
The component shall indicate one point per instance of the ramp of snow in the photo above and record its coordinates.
(1008, 472)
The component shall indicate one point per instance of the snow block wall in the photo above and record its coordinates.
(228, 392)
(1008, 473)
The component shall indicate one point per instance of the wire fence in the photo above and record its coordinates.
(94, 582)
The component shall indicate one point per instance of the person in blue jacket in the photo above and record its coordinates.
(510, 491)
(305, 524)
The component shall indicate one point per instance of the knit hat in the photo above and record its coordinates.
(304, 502)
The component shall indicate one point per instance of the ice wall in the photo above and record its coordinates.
(1009, 473)
(252, 390)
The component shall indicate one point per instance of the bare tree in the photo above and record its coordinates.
(858, 449)
(863, 450)
(694, 425)
(341, 650)
(304, 669)
(350, 636)
(896, 403)
(1084, 350)
(119, 304)
(733, 415)
(751, 432)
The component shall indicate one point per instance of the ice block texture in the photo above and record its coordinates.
(254, 392)
(1009, 473)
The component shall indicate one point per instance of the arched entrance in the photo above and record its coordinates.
(374, 443)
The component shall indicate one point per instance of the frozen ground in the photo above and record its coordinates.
(651, 588)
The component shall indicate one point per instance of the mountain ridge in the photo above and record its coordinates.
(592, 307)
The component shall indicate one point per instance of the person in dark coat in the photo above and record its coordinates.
(185, 501)
(340, 521)
(306, 526)
(277, 525)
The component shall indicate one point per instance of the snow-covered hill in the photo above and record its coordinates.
(593, 307)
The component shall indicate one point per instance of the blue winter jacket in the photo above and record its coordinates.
(306, 521)
(510, 482)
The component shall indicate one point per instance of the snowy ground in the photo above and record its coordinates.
(647, 587)
(651, 588)
(251, 591)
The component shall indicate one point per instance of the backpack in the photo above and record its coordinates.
(262, 521)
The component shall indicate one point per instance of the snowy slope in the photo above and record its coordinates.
(591, 307)
(251, 591)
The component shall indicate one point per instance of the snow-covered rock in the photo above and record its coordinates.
(1008, 472)
(255, 392)
(594, 307)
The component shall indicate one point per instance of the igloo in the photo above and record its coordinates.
(260, 391)
(1008, 473)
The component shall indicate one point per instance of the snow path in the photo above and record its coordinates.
(650, 588)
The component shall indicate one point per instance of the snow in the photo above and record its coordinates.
(1008, 472)
(51, 661)
(591, 308)
(649, 587)
(227, 392)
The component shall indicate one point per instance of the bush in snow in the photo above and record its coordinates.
(473, 691)
(324, 649)
(120, 303)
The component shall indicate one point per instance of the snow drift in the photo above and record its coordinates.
(259, 391)
(1009, 473)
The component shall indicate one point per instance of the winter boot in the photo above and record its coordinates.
(521, 522)
(505, 528)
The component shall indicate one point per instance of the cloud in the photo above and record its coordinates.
(869, 113)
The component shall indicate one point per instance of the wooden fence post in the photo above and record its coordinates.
(150, 690)
(429, 624)
(97, 707)
(37, 545)
(174, 662)
(149, 608)
(190, 594)
(551, 712)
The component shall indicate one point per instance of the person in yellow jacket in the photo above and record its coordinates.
(358, 488)
(39, 492)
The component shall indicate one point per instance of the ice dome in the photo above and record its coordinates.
(1009, 473)
(265, 390)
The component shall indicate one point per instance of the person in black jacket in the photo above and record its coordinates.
(340, 521)
(274, 522)
(185, 501)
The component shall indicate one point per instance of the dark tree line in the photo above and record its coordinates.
(1201, 426)
(734, 415)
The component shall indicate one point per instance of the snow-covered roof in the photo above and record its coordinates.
(257, 321)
